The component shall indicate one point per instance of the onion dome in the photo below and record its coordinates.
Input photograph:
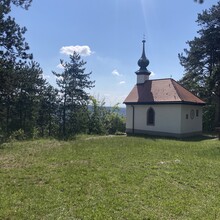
(143, 62)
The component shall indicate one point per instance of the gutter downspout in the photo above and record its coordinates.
(132, 119)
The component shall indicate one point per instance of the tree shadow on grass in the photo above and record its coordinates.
(197, 138)
(202, 137)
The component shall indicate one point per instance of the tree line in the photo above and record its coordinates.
(30, 106)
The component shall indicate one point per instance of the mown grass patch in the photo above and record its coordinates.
(110, 178)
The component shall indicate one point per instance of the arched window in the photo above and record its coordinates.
(150, 116)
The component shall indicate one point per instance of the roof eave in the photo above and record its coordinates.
(164, 102)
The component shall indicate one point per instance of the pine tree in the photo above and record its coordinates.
(29, 88)
(47, 120)
(13, 53)
(12, 42)
(202, 60)
(200, 1)
(73, 84)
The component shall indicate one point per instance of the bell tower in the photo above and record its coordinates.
(143, 73)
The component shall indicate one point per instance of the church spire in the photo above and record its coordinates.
(143, 62)
(143, 73)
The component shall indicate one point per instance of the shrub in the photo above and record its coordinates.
(18, 135)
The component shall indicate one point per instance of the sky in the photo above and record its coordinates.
(108, 35)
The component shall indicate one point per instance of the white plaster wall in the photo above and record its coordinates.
(167, 118)
(191, 125)
(129, 116)
(142, 78)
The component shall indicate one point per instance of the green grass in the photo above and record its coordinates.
(110, 178)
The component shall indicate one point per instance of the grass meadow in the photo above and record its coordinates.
(115, 177)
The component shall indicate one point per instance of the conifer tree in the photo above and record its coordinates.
(47, 120)
(13, 53)
(29, 89)
(73, 84)
(12, 42)
(19, 101)
(202, 60)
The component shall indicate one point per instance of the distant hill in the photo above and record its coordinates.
(122, 110)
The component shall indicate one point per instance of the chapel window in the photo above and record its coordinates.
(150, 116)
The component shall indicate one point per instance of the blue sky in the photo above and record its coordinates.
(108, 35)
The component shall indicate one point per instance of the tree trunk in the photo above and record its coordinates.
(7, 117)
(64, 117)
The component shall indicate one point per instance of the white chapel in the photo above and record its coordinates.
(161, 106)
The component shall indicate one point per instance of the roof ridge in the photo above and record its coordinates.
(158, 79)
(188, 90)
(172, 80)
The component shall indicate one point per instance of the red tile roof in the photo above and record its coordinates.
(161, 91)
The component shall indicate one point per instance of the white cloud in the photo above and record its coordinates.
(46, 76)
(59, 77)
(116, 73)
(152, 73)
(81, 50)
(107, 95)
(60, 66)
(122, 82)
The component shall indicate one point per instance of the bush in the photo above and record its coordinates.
(18, 135)
(116, 123)
(105, 120)
(35, 133)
